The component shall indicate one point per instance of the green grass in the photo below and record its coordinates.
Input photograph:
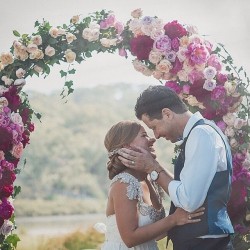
(77, 240)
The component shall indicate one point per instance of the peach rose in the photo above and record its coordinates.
(137, 13)
(54, 32)
(6, 58)
(37, 40)
(17, 150)
(164, 66)
(70, 55)
(49, 51)
(20, 73)
(70, 37)
(75, 19)
(38, 69)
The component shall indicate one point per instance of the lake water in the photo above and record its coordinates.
(55, 225)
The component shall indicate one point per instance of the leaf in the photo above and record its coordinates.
(72, 71)
(63, 73)
(13, 239)
(16, 33)
(17, 190)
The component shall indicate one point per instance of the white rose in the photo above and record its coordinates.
(146, 71)
(239, 123)
(233, 143)
(229, 119)
(20, 73)
(209, 85)
(3, 89)
(19, 82)
(183, 76)
(37, 40)
(94, 25)
(194, 102)
(154, 56)
(50, 51)
(6, 227)
(134, 25)
(38, 69)
(54, 32)
(70, 37)
(137, 13)
(209, 72)
(32, 47)
(147, 29)
(16, 118)
(86, 33)
(3, 102)
(157, 74)
(184, 41)
(230, 87)
(38, 54)
(138, 65)
(70, 55)
(196, 39)
(164, 66)
(7, 80)
(192, 29)
(21, 53)
(181, 54)
(156, 33)
(229, 132)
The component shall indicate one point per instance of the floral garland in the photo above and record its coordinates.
(203, 75)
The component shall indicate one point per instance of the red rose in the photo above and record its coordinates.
(174, 29)
(6, 191)
(141, 47)
(8, 177)
(6, 209)
(13, 98)
(5, 139)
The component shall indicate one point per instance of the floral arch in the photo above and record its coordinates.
(203, 75)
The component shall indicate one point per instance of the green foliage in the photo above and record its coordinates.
(67, 158)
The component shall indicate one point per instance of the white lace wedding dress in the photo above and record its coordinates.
(147, 215)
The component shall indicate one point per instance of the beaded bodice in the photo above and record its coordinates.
(134, 191)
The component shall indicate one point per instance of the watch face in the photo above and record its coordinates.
(154, 175)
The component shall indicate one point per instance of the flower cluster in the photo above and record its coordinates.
(202, 74)
(206, 79)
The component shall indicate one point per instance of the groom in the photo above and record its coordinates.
(202, 171)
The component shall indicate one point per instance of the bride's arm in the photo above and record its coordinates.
(127, 219)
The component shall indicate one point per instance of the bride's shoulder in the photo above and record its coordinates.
(128, 184)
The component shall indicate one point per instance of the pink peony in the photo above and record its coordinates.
(218, 93)
(197, 54)
(141, 47)
(174, 29)
(174, 86)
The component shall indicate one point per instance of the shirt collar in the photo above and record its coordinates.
(192, 120)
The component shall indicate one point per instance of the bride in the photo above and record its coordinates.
(135, 217)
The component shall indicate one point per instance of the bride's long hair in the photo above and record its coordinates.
(119, 135)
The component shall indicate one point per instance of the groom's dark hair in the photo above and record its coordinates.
(155, 98)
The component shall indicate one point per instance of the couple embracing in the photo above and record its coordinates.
(199, 189)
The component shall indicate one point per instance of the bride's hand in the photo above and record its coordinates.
(183, 217)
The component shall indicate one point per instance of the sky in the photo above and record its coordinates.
(224, 21)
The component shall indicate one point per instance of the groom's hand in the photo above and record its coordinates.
(137, 158)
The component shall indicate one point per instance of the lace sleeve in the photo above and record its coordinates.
(134, 190)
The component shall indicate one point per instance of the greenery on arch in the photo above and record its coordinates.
(203, 74)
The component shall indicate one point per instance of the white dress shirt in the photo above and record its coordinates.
(205, 155)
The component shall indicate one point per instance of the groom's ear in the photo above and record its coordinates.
(167, 113)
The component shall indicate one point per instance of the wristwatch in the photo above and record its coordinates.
(154, 175)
